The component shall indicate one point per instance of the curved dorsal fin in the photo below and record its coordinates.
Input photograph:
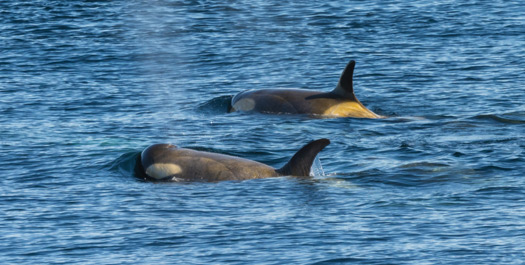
(301, 162)
(345, 87)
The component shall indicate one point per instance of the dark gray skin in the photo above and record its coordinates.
(166, 162)
(340, 102)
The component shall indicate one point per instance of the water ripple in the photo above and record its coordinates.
(86, 85)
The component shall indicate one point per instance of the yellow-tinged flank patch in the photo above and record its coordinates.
(350, 109)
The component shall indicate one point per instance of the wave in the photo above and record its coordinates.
(506, 118)
(216, 105)
(125, 164)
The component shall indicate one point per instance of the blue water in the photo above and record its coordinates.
(86, 85)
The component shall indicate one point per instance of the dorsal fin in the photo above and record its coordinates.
(345, 87)
(301, 162)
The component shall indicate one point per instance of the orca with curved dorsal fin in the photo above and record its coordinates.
(340, 102)
(166, 162)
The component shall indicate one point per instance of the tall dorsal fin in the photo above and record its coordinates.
(301, 162)
(345, 87)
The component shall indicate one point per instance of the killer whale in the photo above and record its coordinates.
(166, 162)
(340, 102)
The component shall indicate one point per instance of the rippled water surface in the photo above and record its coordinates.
(86, 85)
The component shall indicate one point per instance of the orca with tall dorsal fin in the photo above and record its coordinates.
(166, 162)
(340, 102)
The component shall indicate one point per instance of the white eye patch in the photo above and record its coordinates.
(245, 104)
(160, 170)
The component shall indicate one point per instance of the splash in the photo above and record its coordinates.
(317, 168)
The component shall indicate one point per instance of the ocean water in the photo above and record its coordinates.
(86, 85)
